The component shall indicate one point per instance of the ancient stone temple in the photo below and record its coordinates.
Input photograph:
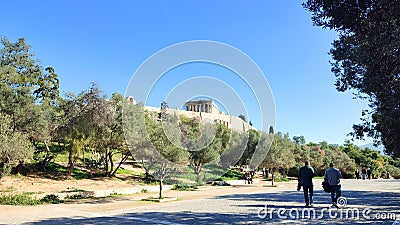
(207, 106)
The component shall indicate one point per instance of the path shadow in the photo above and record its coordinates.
(256, 205)
(387, 200)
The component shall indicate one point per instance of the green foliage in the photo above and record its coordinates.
(203, 144)
(74, 197)
(124, 171)
(15, 146)
(252, 143)
(51, 199)
(26, 199)
(394, 171)
(366, 59)
(18, 68)
(280, 156)
(144, 191)
(233, 174)
(58, 172)
(18, 199)
(72, 190)
(185, 187)
(148, 182)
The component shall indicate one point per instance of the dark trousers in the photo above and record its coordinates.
(336, 192)
(308, 189)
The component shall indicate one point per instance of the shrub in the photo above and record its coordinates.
(184, 187)
(394, 171)
(74, 197)
(15, 146)
(18, 199)
(51, 199)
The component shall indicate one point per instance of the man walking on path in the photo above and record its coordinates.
(332, 176)
(357, 172)
(363, 173)
(306, 174)
(369, 173)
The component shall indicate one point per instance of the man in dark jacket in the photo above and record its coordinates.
(306, 174)
(332, 176)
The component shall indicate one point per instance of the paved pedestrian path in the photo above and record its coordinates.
(375, 201)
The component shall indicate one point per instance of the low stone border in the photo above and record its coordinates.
(105, 193)
(164, 199)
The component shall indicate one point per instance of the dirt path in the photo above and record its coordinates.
(209, 205)
(20, 214)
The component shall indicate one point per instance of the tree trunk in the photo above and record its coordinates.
(197, 170)
(70, 162)
(106, 162)
(84, 160)
(46, 159)
(273, 176)
(123, 160)
(111, 164)
(161, 187)
(146, 169)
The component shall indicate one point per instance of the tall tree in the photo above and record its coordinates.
(169, 154)
(28, 93)
(280, 154)
(135, 121)
(155, 139)
(250, 148)
(366, 58)
(20, 69)
(84, 124)
(202, 145)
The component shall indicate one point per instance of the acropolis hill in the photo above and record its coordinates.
(204, 110)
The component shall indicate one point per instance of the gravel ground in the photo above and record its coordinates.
(368, 202)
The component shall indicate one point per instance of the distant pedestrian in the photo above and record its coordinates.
(332, 176)
(363, 173)
(357, 173)
(387, 175)
(306, 174)
(252, 173)
(247, 178)
(369, 173)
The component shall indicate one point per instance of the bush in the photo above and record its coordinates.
(234, 174)
(293, 172)
(75, 197)
(18, 199)
(15, 146)
(185, 187)
(394, 171)
(51, 199)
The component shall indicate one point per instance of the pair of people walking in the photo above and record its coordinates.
(332, 176)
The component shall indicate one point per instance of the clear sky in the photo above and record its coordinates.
(106, 41)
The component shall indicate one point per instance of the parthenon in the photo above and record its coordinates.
(206, 106)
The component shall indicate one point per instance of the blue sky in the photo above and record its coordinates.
(106, 41)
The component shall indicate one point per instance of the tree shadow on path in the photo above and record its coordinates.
(257, 206)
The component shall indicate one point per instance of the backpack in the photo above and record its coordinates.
(326, 186)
